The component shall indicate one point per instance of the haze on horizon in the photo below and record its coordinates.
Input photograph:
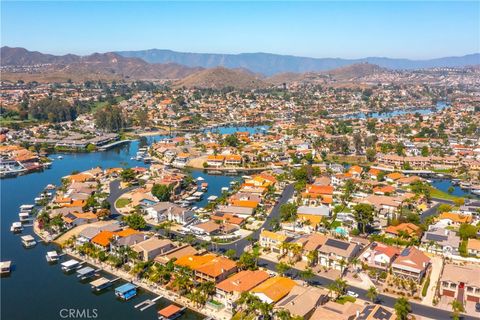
(412, 30)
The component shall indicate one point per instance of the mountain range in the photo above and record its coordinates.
(269, 64)
(22, 64)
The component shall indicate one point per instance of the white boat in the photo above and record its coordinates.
(191, 199)
(5, 267)
(24, 216)
(200, 179)
(198, 194)
(26, 207)
(60, 157)
(28, 241)
(16, 227)
(212, 198)
(70, 265)
(52, 256)
(50, 187)
(225, 189)
(246, 177)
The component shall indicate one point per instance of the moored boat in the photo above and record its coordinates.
(52, 256)
(28, 241)
(5, 267)
(16, 227)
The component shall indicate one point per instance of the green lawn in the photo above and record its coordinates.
(122, 202)
(435, 193)
(344, 299)
(99, 105)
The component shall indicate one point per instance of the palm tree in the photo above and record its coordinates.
(312, 257)
(307, 274)
(282, 268)
(372, 293)
(355, 262)
(402, 308)
(457, 307)
(343, 263)
(339, 286)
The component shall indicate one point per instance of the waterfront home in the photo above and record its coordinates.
(380, 256)
(226, 217)
(87, 234)
(229, 290)
(336, 253)
(233, 160)
(313, 215)
(105, 238)
(407, 229)
(150, 248)
(169, 211)
(175, 254)
(440, 241)
(181, 160)
(473, 247)
(73, 219)
(273, 240)
(460, 282)
(208, 267)
(243, 212)
(273, 289)
(411, 264)
(302, 301)
(215, 160)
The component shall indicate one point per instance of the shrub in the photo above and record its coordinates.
(425, 287)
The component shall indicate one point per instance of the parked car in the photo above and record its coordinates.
(352, 294)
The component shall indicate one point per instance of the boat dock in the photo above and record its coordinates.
(144, 305)
(102, 283)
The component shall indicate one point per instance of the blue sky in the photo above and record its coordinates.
(318, 29)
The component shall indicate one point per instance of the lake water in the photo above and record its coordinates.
(390, 114)
(444, 184)
(37, 290)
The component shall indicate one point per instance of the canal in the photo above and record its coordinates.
(37, 290)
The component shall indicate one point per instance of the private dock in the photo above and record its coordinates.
(144, 305)
(102, 283)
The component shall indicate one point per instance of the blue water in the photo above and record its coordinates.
(37, 290)
(444, 184)
(230, 130)
(385, 115)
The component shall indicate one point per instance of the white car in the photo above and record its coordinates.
(352, 294)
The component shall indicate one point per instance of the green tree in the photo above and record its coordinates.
(457, 307)
(363, 214)
(467, 231)
(371, 154)
(127, 175)
(135, 221)
(372, 293)
(162, 192)
(282, 268)
(402, 308)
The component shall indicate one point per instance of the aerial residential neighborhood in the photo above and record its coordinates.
(240, 160)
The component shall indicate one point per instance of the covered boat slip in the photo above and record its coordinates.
(5, 267)
(126, 291)
(171, 312)
(102, 283)
(86, 272)
(28, 241)
(70, 265)
(52, 256)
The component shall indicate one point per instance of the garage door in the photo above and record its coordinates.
(449, 293)
(472, 298)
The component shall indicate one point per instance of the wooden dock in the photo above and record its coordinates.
(144, 305)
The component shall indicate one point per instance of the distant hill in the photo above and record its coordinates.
(270, 64)
(106, 66)
(222, 77)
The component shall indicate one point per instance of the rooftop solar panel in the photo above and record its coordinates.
(337, 244)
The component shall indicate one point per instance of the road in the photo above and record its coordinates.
(240, 245)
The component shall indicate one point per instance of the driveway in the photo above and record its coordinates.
(437, 265)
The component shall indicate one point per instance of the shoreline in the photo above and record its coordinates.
(156, 290)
